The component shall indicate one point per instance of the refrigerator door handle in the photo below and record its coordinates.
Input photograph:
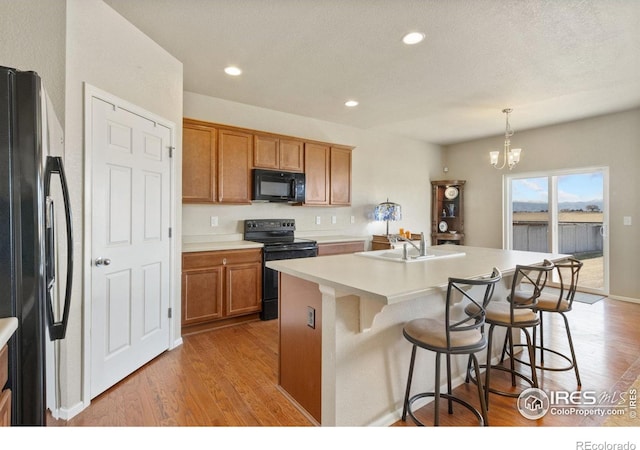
(57, 330)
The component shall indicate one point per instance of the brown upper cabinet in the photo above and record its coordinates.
(199, 180)
(316, 172)
(234, 166)
(340, 176)
(216, 164)
(328, 175)
(272, 152)
(217, 161)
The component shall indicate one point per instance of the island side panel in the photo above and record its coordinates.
(300, 344)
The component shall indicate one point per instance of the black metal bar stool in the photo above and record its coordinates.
(516, 312)
(562, 303)
(452, 336)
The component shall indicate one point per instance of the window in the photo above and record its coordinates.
(561, 212)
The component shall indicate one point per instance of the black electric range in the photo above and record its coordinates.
(279, 241)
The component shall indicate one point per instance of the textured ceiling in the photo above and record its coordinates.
(551, 61)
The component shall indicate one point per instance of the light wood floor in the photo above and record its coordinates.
(228, 377)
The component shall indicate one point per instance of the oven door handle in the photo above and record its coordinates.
(285, 249)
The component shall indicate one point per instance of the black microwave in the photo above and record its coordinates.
(277, 186)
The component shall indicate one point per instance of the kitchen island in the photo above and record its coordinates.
(343, 358)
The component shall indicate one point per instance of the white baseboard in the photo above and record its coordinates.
(68, 413)
(624, 299)
(176, 343)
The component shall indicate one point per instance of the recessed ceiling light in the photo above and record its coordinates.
(413, 38)
(232, 70)
(351, 103)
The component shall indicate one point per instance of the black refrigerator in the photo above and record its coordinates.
(36, 246)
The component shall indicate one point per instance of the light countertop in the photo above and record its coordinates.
(8, 326)
(393, 282)
(221, 245)
(335, 239)
(239, 244)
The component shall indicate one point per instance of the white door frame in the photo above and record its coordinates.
(507, 219)
(91, 92)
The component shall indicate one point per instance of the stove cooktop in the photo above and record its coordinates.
(274, 232)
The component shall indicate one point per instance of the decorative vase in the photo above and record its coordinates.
(452, 210)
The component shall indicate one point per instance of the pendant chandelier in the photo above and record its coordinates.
(511, 155)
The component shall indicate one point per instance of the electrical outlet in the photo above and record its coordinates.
(353, 219)
(311, 317)
(318, 220)
(214, 221)
(334, 220)
(626, 220)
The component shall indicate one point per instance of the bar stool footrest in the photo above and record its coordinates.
(446, 396)
(571, 365)
(508, 370)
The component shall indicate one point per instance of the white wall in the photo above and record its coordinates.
(383, 166)
(33, 38)
(109, 53)
(611, 140)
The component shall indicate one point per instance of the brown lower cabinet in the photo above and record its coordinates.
(5, 395)
(339, 248)
(220, 288)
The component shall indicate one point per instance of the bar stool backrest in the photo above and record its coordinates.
(474, 321)
(568, 272)
(536, 277)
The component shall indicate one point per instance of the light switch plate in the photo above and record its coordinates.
(318, 220)
(626, 220)
(334, 220)
(311, 317)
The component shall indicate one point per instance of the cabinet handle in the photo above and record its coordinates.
(224, 261)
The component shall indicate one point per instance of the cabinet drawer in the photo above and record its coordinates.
(198, 260)
(4, 366)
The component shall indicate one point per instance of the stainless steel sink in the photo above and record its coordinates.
(396, 255)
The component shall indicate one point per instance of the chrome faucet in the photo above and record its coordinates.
(422, 250)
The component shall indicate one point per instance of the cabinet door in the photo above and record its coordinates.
(5, 408)
(340, 177)
(316, 169)
(340, 248)
(202, 295)
(244, 283)
(266, 152)
(198, 164)
(234, 166)
(291, 155)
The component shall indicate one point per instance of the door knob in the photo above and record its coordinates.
(102, 261)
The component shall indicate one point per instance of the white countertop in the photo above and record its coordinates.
(221, 245)
(392, 282)
(335, 239)
(207, 246)
(8, 325)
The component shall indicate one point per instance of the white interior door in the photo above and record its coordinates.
(130, 243)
